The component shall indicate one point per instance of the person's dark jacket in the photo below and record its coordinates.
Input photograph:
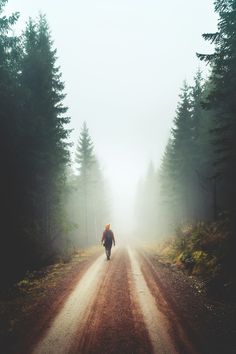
(108, 238)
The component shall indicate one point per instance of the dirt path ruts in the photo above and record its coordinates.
(175, 325)
(47, 308)
(116, 308)
(195, 320)
(115, 323)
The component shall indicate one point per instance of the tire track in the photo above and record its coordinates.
(61, 334)
(175, 324)
(115, 324)
(155, 322)
(117, 307)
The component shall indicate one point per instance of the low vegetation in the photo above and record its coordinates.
(203, 250)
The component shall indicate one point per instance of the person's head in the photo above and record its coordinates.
(107, 226)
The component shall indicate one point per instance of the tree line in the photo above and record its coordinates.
(88, 205)
(36, 182)
(196, 179)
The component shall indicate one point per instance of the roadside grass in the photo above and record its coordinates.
(203, 250)
(19, 302)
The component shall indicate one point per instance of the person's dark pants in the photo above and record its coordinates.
(108, 252)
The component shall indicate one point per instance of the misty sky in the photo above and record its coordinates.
(123, 62)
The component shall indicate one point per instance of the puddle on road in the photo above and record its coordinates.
(154, 320)
(73, 315)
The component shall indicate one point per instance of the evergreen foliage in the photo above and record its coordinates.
(44, 120)
(196, 180)
(185, 184)
(37, 191)
(221, 98)
(89, 204)
(33, 147)
(84, 157)
(10, 136)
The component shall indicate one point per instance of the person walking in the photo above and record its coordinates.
(107, 240)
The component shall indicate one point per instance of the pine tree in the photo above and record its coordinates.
(222, 102)
(201, 159)
(45, 147)
(9, 142)
(182, 153)
(91, 200)
(170, 208)
(33, 147)
(100, 201)
(196, 106)
(203, 155)
(85, 159)
(84, 153)
(221, 99)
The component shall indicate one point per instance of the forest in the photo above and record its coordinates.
(52, 203)
(192, 193)
(169, 271)
(40, 212)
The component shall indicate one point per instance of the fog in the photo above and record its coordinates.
(123, 63)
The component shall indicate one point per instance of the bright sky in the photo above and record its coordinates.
(123, 62)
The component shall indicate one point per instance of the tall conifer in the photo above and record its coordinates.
(45, 142)
(9, 143)
(221, 100)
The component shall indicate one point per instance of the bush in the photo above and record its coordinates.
(202, 249)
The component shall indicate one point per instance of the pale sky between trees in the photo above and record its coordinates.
(123, 63)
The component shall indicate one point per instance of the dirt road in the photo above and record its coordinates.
(116, 307)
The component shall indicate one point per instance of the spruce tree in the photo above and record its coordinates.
(196, 106)
(100, 200)
(168, 188)
(9, 143)
(221, 100)
(203, 156)
(45, 146)
(92, 205)
(221, 97)
(200, 146)
(85, 159)
(182, 156)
